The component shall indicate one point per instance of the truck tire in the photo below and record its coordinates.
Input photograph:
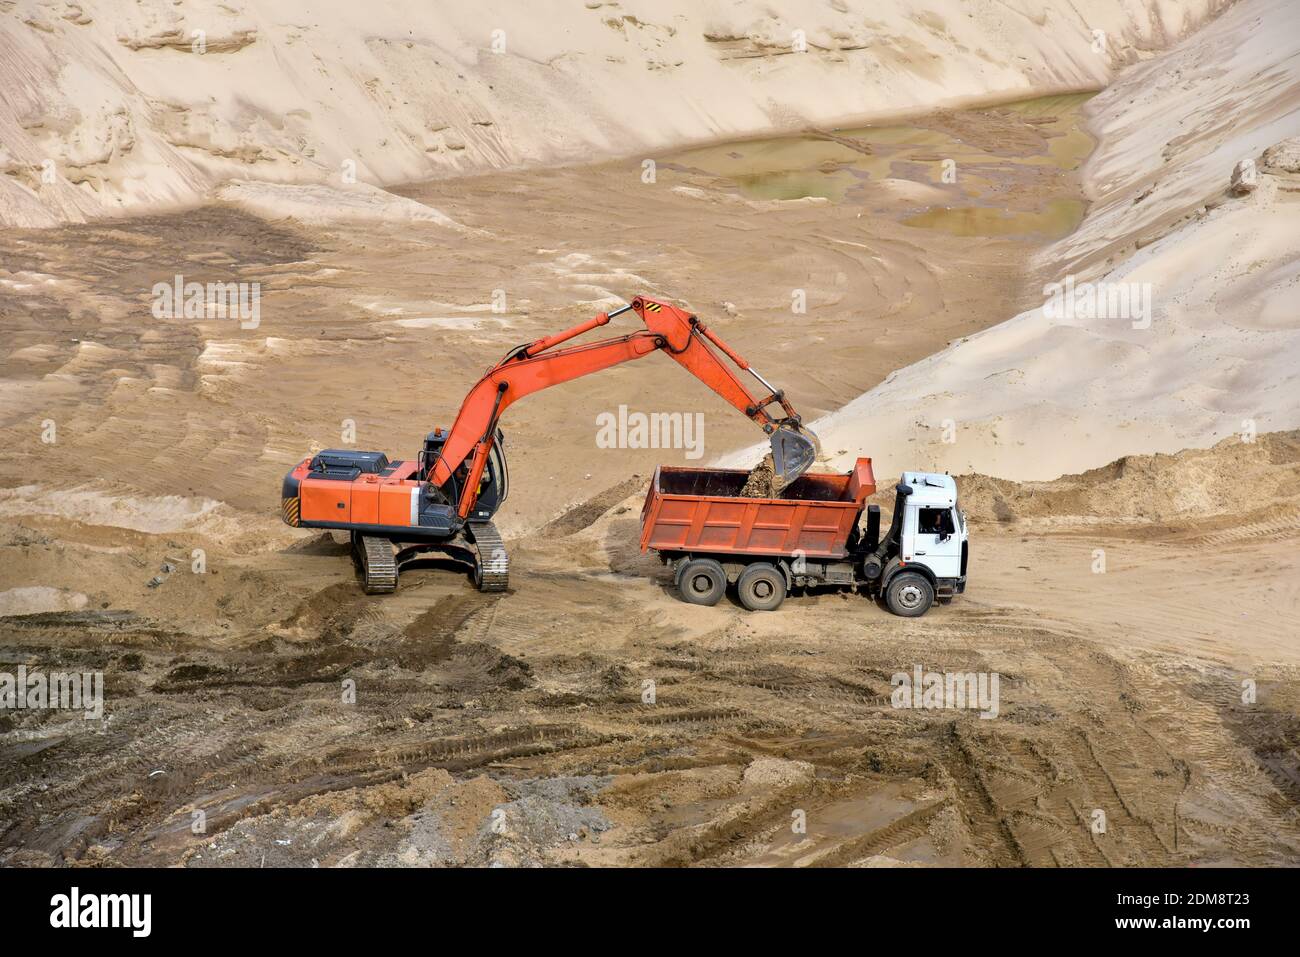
(761, 587)
(909, 594)
(701, 581)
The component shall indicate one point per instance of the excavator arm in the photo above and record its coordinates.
(539, 365)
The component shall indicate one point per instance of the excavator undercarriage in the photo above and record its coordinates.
(478, 547)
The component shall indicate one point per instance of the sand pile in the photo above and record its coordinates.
(320, 204)
(1233, 478)
(114, 106)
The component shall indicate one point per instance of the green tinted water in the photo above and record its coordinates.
(1057, 218)
(981, 159)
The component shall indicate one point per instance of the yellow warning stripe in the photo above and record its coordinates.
(653, 307)
(289, 511)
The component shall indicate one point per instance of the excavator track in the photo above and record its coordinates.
(378, 564)
(492, 564)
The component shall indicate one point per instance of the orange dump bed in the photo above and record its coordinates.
(700, 510)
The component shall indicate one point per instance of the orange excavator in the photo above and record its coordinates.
(445, 499)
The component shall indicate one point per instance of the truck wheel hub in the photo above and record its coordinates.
(909, 596)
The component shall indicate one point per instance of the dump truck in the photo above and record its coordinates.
(812, 536)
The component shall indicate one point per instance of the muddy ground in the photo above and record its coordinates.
(261, 710)
(516, 728)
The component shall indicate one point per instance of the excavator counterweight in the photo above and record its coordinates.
(444, 500)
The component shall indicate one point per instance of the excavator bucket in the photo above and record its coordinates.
(794, 450)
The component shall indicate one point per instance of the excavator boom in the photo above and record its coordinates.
(541, 364)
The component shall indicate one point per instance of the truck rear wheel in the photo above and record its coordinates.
(701, 581)
(761, 587)
(909, 594)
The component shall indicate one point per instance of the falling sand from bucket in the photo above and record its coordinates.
(762, 481)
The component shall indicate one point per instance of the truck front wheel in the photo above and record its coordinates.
(701, 581)
(909, 594)
(761, 587)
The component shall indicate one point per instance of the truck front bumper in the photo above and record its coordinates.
(950, 586)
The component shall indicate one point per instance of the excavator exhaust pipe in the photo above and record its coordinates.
(794, 450)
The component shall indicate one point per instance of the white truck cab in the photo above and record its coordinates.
(929, 561)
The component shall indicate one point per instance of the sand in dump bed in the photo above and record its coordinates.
(762, 481)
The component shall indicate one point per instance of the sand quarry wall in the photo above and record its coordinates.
(113, 106)
(1208, 346)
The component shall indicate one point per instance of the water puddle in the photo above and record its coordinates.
(1005, 170)
(1058, 218)
(842, 831)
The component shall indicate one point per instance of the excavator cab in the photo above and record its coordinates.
(493, 486)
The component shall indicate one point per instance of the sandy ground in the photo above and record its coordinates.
(261, 710)
(507, 729)
(387, 325)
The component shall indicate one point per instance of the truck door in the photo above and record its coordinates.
(936, 542)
